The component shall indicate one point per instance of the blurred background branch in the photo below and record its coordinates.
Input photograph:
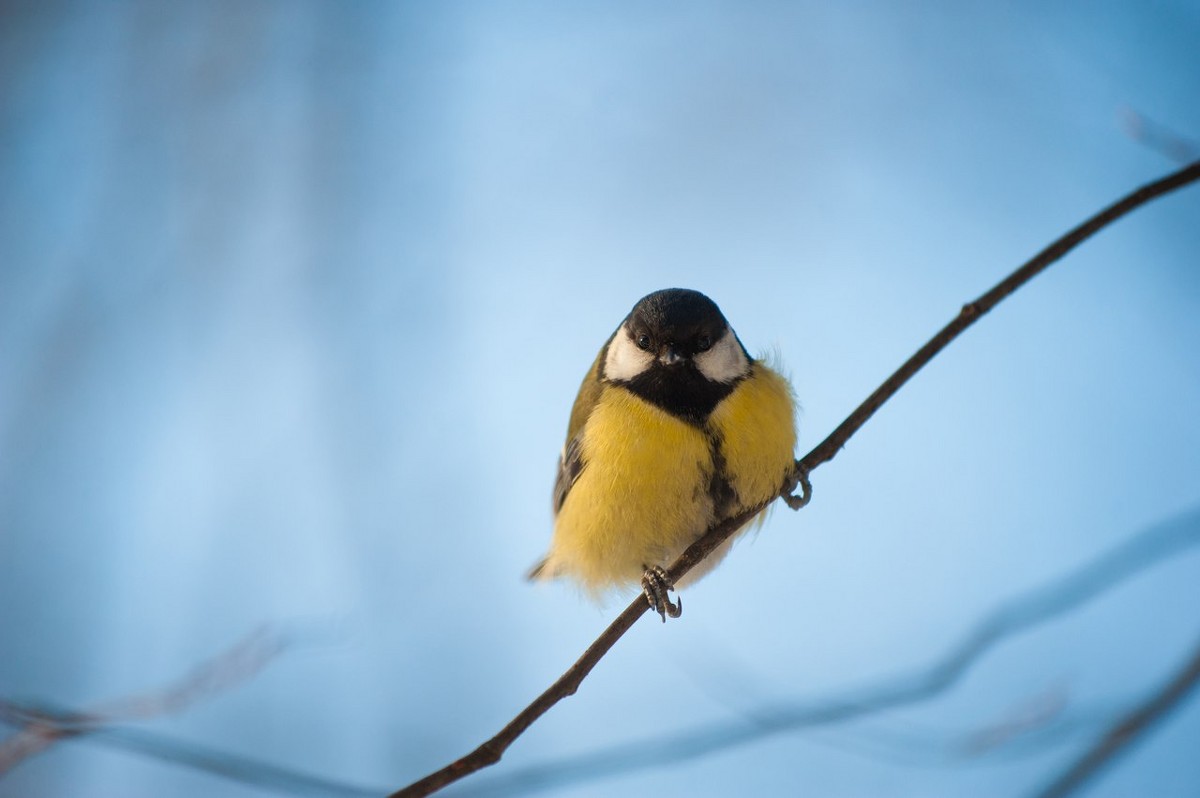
(1157, 137)
(1130, 730)
(39, 728)
(222, 764)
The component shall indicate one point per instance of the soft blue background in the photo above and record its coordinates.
(294, 299)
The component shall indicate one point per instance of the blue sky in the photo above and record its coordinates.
(294, 299)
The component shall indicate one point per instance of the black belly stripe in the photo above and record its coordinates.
(720, 489)
(689, 396)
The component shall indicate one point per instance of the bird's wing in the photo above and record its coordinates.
(570, 466)
(572, 463)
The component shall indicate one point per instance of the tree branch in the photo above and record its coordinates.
(490, 751)
(972, 311)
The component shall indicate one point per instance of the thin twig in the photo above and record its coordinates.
(490, 752)
(1128, 730)
(972, 311)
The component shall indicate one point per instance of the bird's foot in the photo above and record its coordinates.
(797, 479)
(655, 587)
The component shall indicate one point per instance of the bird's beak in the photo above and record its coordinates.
(670, 357)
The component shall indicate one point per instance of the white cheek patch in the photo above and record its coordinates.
(725, 362)
(624, 360)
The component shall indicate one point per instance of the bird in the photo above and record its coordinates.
(675, 428)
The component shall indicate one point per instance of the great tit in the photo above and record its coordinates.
(675, 428)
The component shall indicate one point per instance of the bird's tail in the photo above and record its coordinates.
(538, 571)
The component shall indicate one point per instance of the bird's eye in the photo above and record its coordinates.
(643, 341)
(703, 343)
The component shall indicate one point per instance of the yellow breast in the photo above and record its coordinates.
(643, 495)
(756, 428)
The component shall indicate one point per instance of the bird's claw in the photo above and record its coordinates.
(655, 587)
(798, 478)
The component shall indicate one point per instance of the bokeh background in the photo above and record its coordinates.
(295, 297)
